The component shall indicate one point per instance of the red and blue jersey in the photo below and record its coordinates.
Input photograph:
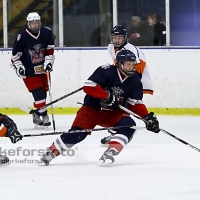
(106, 80)
(31, 49)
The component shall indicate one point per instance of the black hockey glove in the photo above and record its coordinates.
(13, 134)
(151, 122)
(7, 121)
(112, 102)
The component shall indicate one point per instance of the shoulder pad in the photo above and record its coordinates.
(106, 66)
(47, 28)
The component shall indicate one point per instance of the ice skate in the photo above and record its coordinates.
(46, 121)
(4, 160)
(38, 123)
(107, 158)
(46, 158)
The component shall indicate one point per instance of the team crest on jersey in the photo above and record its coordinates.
(37, 55)
(117, 91)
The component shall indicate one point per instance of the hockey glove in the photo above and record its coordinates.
(7, 121)
(111, 103)
(48, 63)
(19, 68)
(151, 122)
(13, 134)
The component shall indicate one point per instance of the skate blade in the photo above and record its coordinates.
(41, 163)
(107, 162)
(36, 126)
(104, 145)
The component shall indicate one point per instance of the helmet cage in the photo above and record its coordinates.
(119, 30)
(33, 17)
(112, 36)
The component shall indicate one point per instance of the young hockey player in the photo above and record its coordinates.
(106, 88)
(119, 41)
(32, 58)
(8, 128)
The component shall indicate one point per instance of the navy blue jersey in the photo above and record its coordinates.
(31, 49)
(128, 90)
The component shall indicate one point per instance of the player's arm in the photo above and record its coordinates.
(94, 85)
(150, 119)
(3, 130)
(49, 53)
(140, 58)
(136, 105)
(51, 46)
(8, 128)
(17, 57)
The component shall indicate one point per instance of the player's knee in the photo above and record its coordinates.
(127, 131)
(74, 137)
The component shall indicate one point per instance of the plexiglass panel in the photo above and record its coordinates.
(145, 21)
(87, 22)
(185, 22)
(1, 24)
(18, 11)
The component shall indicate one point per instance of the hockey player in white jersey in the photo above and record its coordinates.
(119, 41)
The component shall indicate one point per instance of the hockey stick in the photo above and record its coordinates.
(50, 96)
(180, 140)
(59, 99)
(84, 130)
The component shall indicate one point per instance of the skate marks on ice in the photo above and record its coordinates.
(152, 166)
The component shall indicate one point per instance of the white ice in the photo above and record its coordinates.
(151, 167)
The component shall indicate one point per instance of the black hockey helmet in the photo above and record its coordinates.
(119, 30)
(122, 56)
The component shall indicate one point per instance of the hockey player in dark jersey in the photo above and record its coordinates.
(8, 128)
(106, 88)
(119, 41)
(32, 58)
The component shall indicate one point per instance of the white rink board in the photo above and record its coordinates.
(174, 72)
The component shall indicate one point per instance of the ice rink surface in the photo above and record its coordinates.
(151, 167)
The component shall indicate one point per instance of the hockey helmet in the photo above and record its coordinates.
(122, 56)
(33, 17)
(118, 35)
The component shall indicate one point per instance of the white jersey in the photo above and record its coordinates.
(141, 65)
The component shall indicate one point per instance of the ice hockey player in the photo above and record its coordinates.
(8, 128)
(32, 58)
(105, 89)
(119, 41)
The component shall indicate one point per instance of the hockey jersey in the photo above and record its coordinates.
(31, 50)
(141, 66)
(106, 80)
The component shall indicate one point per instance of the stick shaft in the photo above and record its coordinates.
(56, 100)
(84, 130)
(50, 97)
(180, 140)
